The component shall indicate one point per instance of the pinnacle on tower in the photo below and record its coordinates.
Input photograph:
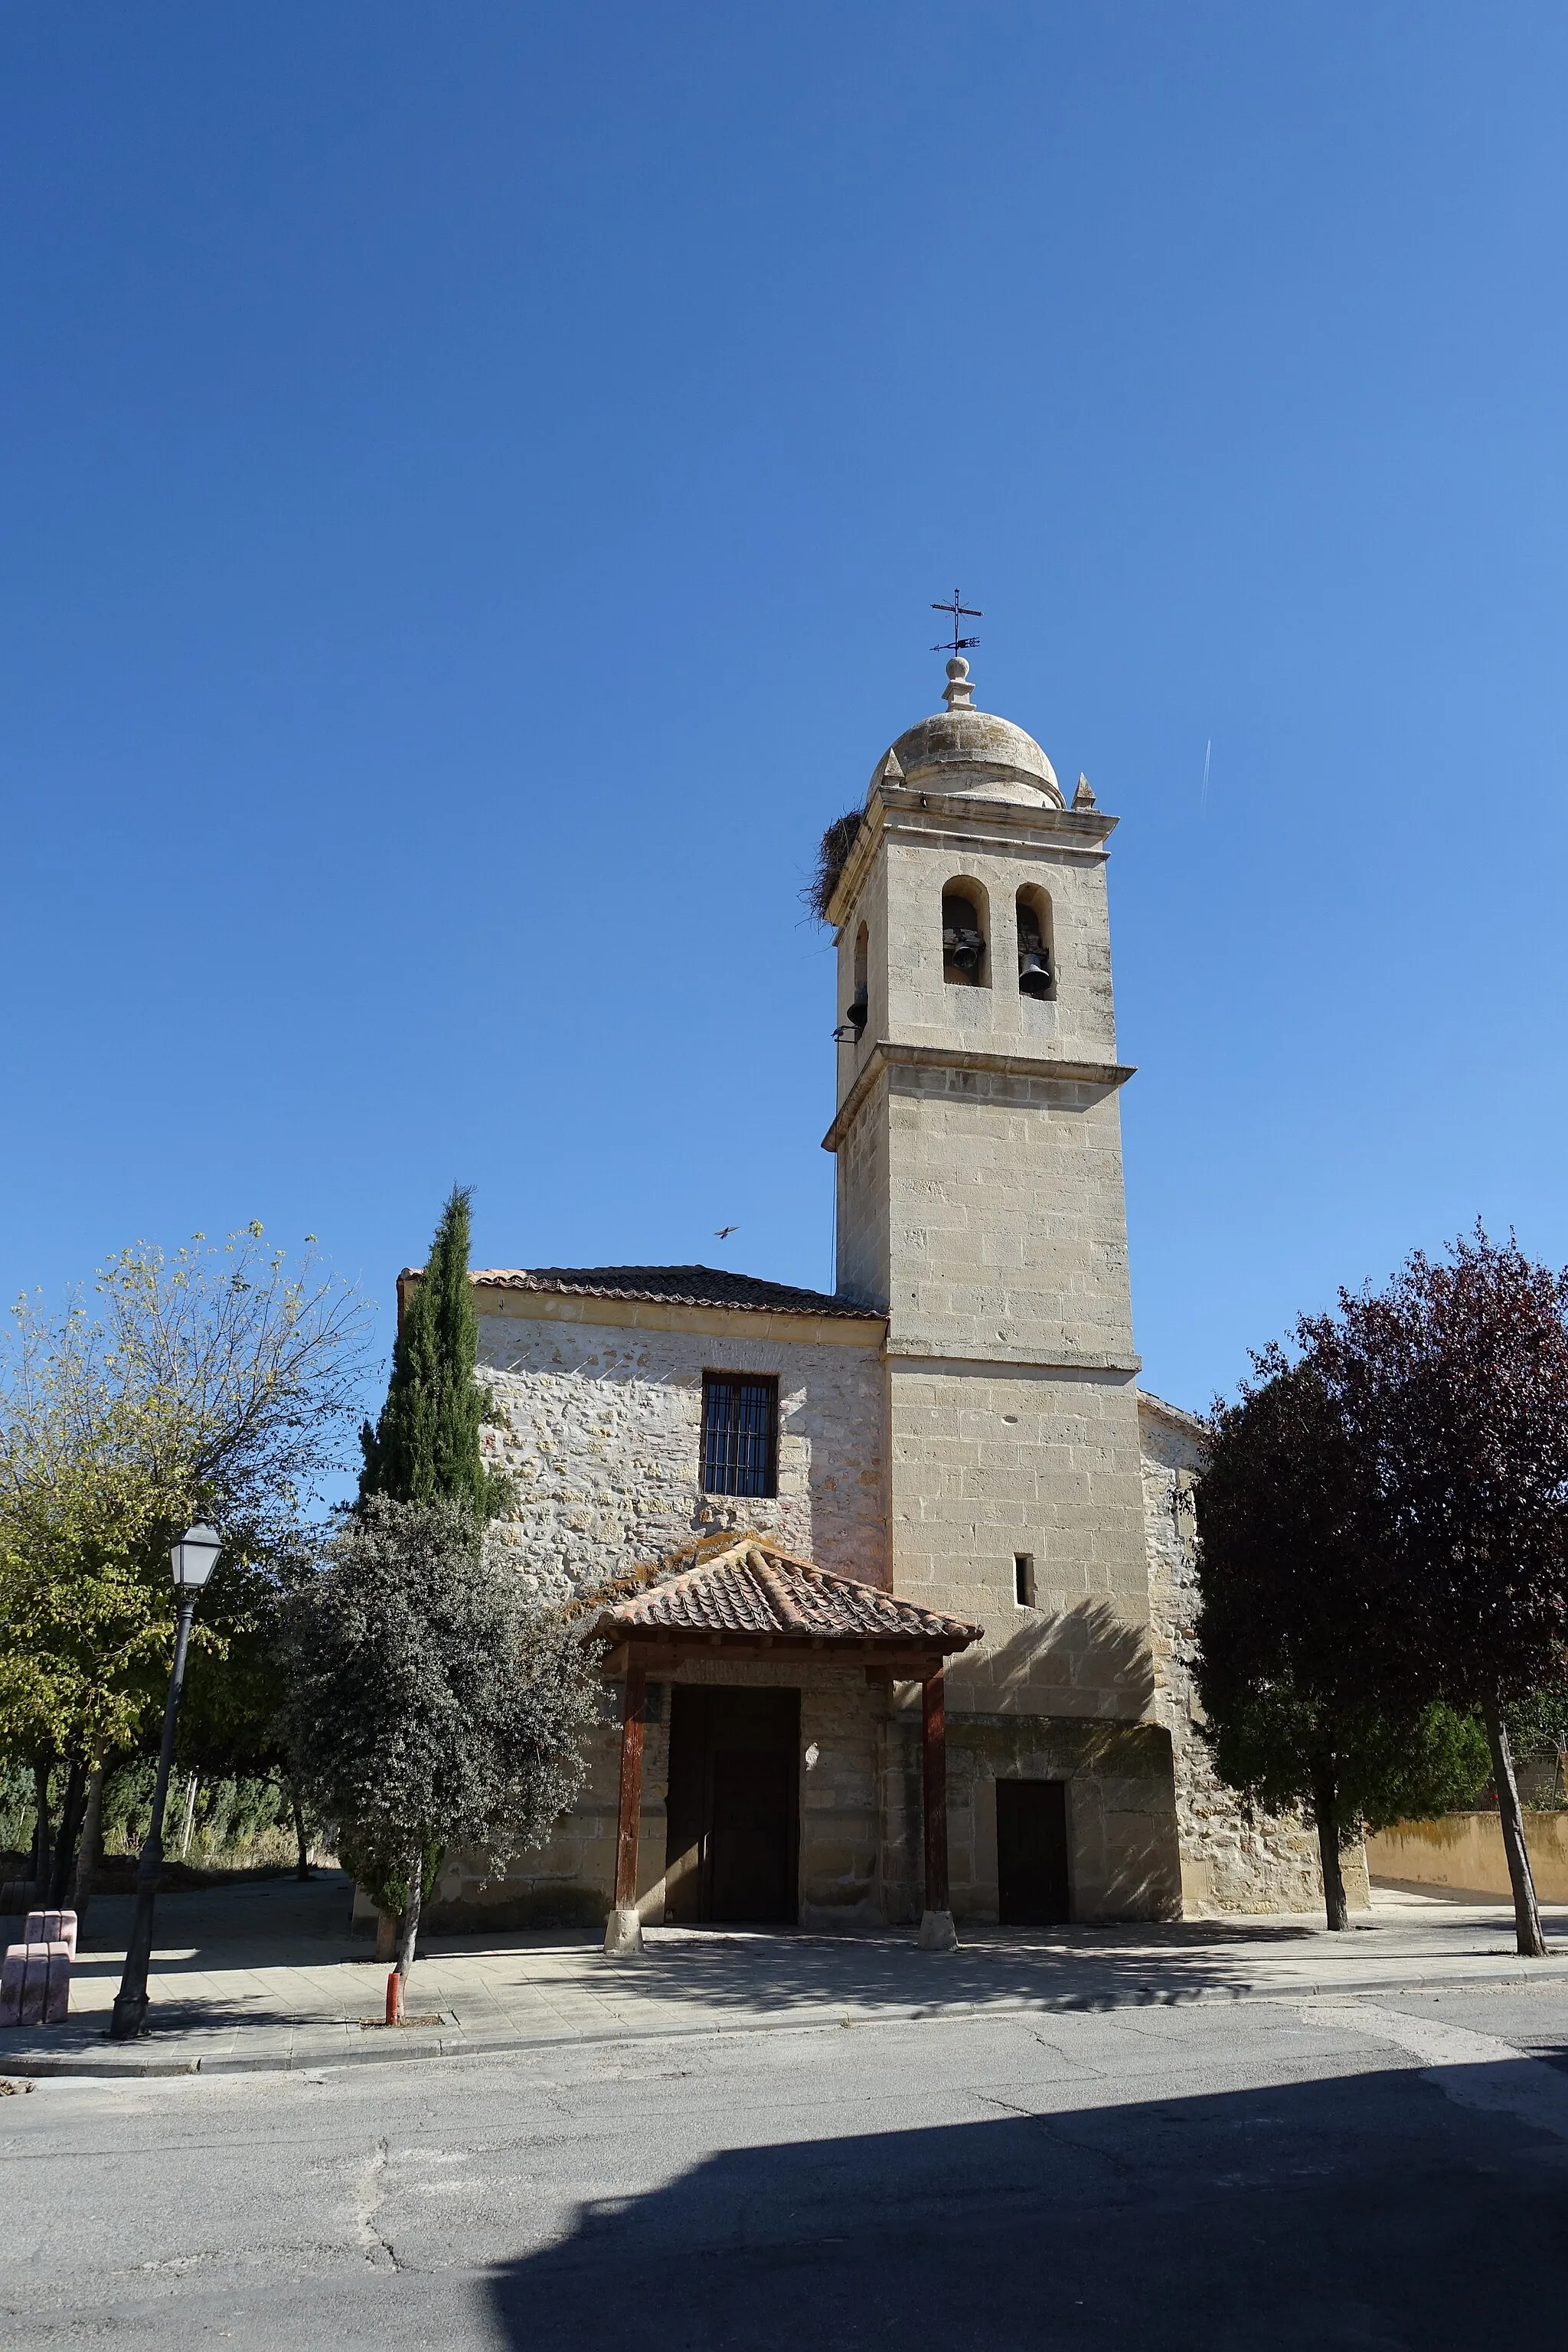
(958, 694)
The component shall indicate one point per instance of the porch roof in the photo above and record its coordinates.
(751, 1596)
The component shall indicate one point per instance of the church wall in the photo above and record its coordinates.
(988, 1463)
(604, 1443)
(1122, 1859)
(862, 1179)
(1002, 850)
(1229, 1864)
(1007, 1221)
(570, 1881)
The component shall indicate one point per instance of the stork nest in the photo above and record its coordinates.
(832, 856)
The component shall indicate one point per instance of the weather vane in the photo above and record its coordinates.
(960, 611)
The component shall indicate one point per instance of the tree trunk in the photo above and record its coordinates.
(41, 1842)
(1526, 1912)
(1326, 1808)
(188, 1826)
(411, 1916)
(91, 1846)
(302, 1867)
(65, 1844)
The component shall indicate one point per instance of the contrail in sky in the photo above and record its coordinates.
(1204, 795)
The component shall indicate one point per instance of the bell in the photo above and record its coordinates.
(1033, 973)
(858, 1010)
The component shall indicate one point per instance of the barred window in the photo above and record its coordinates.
(740, 1435)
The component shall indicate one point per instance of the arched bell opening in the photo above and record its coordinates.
(1037, 945)
(856, 1010)
(966, 935)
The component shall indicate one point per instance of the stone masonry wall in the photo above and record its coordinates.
(1228, 1863)
(603, 1443)
(1008, 1232)
(1122, 1856)
(989, 1463)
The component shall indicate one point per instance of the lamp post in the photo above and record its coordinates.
(194, 1558)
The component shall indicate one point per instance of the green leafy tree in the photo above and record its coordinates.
(1538, 1726)
(426, 1445)
(233, 1730)
(217, 1382)
(1294, 1714)
(429, 1703)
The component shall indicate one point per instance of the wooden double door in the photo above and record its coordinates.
(733, 1812)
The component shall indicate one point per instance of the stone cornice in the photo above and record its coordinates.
(886, 1055)
(1008, 1356)
(963, 817)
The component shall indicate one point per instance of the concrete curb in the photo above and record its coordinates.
(103, 2064)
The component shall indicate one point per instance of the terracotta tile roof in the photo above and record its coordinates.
(681, 1285)
(751, 1587)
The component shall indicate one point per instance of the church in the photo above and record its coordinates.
(895, 1584)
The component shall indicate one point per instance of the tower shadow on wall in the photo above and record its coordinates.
(1087, 1649)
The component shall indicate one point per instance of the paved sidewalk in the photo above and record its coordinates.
(264, 1975)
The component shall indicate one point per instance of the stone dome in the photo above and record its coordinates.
(964, 751)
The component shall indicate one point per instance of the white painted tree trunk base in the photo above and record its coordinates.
(938, 1933)
(623, 1933)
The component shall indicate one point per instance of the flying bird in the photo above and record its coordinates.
(725, 1233)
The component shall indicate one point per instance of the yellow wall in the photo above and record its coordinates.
(1464, 1850)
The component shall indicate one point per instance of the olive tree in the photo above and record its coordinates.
(430, 1704)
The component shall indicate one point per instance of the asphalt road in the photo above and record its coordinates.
(1325, 2173)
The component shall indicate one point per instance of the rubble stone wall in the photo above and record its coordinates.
(601, 1439)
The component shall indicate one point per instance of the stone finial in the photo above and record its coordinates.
(1084, 796)
(958, 694)
(889, 773)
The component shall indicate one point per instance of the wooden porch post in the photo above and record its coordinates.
(623, 1934)
(937, 1933)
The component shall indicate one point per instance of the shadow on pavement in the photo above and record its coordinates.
(1368, 2212)
(764, 1974)
(273, 1922)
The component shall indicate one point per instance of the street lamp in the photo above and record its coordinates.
(193, 1559)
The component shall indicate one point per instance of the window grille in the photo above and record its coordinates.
(740, 1435)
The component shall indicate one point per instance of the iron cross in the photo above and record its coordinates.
(958, 610)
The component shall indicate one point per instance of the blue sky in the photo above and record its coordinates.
(473, 483)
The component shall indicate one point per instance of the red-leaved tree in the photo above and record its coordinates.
(1453, 1384)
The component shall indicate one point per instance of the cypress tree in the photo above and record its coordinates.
(424, 1448)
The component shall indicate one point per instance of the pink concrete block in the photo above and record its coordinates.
(35, 1984)
(51, 1927)
(57, 1988)
(13, 1970)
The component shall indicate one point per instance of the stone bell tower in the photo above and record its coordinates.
(981, 1209)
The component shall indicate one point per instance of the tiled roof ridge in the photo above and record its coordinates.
(704, 1572)
(677, 1286)
(699, 1553)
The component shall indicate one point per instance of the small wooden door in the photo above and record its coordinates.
(734, 1786)
(1032, 1882)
